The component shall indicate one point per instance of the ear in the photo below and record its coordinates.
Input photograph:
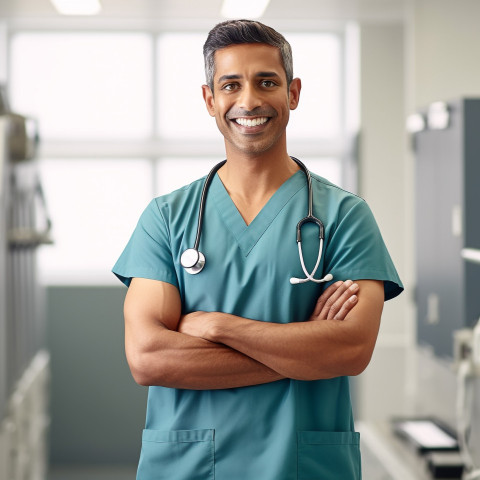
(294, 93)
(209, 99)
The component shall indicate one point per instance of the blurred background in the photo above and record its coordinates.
(101, 110)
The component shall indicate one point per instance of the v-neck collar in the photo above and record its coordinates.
(248, 235)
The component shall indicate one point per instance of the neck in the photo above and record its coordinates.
(251, 181)
(254, 172)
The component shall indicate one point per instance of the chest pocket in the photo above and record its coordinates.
(329, 455)
(179, 455)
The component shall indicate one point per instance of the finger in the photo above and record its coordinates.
(325, 296)
(346, 308)
(341, 306)
(334, 300)
(341, 302)
(328, 297)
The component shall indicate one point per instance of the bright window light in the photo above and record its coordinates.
(84, 86)
(317, 61)
(77, 7)
(329, 168)
(181, 109)
(244, 8)
(94, 206)
(173, 173)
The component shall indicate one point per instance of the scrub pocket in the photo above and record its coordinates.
(329, 456)
(177, 455)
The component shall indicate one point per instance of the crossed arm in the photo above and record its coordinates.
(212, 350)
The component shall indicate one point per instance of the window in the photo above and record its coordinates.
(181, 110)
(122, 119)
(84, 85)
(174, 172)
(94, 206)
(316, 61)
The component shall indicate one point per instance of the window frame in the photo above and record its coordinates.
(156, 147)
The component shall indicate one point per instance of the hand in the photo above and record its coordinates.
(336, 301)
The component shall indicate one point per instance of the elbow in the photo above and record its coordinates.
(357, 355)
(141, 380)
(142, 369)
(139, 369)
(351, 362)
(141, 377)
(359, 360)
(357, 368)
(149, 372)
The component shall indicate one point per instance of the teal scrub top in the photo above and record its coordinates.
(285, 430)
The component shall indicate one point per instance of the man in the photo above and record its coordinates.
(247, 372)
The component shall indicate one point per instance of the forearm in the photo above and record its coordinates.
(158, 354)
(304, 350)
(334, 342)
(180, 361)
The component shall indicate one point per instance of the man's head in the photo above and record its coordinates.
(237, 32)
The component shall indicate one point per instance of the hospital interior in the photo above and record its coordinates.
(101, 111)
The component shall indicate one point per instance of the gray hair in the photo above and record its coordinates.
(237, 32)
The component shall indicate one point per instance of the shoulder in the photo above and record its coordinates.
(178, 199)
(171, 209)
(320, 183)
(337, 198)
(181, 194)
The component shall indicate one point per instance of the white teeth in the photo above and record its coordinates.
(251, 122)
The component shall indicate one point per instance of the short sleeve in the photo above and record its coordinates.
(148, 252)
(356, 250)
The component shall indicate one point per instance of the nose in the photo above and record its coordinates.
(250, 97)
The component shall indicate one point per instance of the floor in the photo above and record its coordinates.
(372, 469)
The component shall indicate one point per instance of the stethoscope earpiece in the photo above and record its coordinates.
(296, 281)
(193, 261)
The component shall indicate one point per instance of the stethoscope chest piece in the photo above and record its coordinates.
(192, 260)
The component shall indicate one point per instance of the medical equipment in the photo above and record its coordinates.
(193, 261)
(444, 155)
(24, 364)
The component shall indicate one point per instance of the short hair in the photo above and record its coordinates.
(237, 32)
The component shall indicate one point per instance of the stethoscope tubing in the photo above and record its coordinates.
(203, 200)
(193, 260)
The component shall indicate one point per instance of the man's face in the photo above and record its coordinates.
(251, 102)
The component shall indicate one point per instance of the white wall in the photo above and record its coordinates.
(446, 40)
(3, 52)
(3, 244)
(383, 183)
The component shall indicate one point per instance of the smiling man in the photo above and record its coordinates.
(247, 364)
(251, 99)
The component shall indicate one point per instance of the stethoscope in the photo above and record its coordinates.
(193, 260)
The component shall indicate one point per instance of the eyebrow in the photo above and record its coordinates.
(223, 78)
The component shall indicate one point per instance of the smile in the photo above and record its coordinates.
(251, 122)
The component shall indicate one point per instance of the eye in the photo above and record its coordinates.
(268, 83)
(230, 87)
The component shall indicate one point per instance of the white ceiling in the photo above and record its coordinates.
(171, 10)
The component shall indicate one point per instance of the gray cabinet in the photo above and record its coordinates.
(447, 219)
